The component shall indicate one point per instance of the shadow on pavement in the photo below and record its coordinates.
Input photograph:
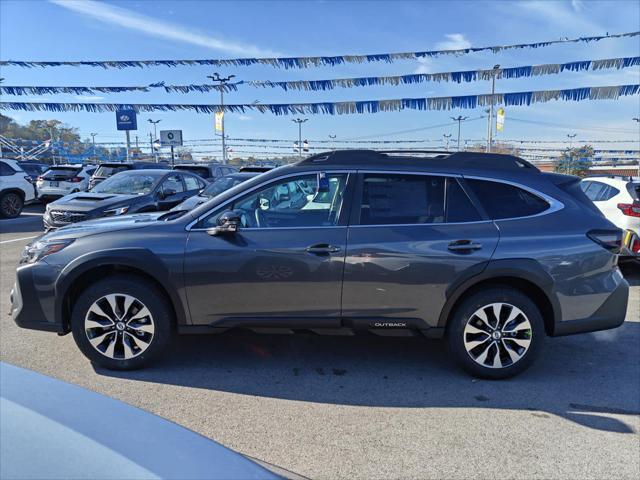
(585, 378)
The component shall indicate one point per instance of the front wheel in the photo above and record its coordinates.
(496, 333)
(11, 205)
(121, 322)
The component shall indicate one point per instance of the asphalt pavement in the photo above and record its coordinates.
(368, 407)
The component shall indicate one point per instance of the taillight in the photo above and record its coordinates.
(635, 245)
(75, 179)
(39, 179)
(608, 239)
(630, 209)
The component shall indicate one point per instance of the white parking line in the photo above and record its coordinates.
(17, 239)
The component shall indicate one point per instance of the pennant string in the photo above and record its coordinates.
(307, 62)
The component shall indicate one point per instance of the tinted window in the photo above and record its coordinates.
(108, 170)
(302, 201)
(501, 200)
(56, 173)
(191, 183)
(6, 170)
(402, 199)
(200, 171)
(607, 193)
(594, 190)
(458, 207)
(173, 182)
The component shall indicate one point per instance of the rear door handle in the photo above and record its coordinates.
(464, 246)
(322, 249)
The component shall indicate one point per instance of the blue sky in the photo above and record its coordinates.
(59, 30)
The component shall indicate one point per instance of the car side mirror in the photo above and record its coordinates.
(228, 223)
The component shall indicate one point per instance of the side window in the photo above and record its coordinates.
(595, 191)
(191, 183)
(585, 186)
(501, 200)
(312, 200)
(389, 199)
(174, 183)
(458, 205)
(6, 170)
(607, 193)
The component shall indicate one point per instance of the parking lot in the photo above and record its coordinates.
(370, 407)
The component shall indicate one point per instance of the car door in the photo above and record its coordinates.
(411, 236)
(282, 267)
(171, 191)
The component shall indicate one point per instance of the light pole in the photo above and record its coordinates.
(494, 72)
(93, 141)
(155, 137)
(222, 82)
(570, 136)
(300, 121)
(332, 137)
(446, 136)
(637, 120)
(459, 119)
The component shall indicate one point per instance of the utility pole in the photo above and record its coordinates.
(53, 157)
(494, 73)
(222, 82)
(447, 136)
(151, 152)
(155, 136)
(637, 120)
(459, 119)
(300, 121)
(93, 140)
(570, 137)
(332, 137)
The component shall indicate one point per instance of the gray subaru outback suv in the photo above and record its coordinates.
(483, 250)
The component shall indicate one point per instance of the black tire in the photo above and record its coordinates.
(161, 318)
(502, 347)
(11, 205)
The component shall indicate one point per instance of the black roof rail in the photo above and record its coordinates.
(463, 159)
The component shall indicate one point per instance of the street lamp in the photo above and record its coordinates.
(93, 141)
(494, 73)
(222, 83)
(446, 136)
(154, 152)
(459, 119)
(299, 121)
(332, 137)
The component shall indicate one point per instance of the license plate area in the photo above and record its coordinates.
(54, 184)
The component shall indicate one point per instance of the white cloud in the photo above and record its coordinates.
(89, 98)
(454, 41)
(577, 5)
(244, 118)
(561, 14)
(132, 20)
(424, 65)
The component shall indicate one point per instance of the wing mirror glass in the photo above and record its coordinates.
(228, 223)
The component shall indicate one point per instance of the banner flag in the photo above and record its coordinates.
(218, 121)
(500, 119)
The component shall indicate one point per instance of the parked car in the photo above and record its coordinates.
(61, 180)
(78, 433)
(34, 169)
(618, 198)
(216, 187)
(484, 250)
(131, 191)
(208, 171)
(16, 188)
(107, 169)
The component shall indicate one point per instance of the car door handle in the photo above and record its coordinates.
(322, 249)
(464, 246)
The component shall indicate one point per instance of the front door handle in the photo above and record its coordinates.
(322, 249)
(464, 246)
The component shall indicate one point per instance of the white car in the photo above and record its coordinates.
(60, 180)
(16, 188)
(618, 198)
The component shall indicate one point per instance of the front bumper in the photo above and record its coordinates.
(33, 298)
(611, 314)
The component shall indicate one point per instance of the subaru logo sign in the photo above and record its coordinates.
(126, 120)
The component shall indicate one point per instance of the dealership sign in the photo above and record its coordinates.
(126, 120)
(170, 138)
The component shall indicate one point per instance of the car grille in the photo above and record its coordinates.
(67, 217)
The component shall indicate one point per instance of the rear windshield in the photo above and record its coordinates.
(201, 171)
(33, 169)
(634, 190)
(108, 170)
(61, 172)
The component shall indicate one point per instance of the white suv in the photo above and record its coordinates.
(618, 198)
(16, 188)
(61, 180)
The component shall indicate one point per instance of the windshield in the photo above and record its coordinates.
(129, 183)
(221, 185)
(108, 170)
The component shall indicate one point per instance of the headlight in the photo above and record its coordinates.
(116, 211)
(38, 250)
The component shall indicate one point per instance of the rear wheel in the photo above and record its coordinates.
(121, 322)
(11, 205)
(496, 333)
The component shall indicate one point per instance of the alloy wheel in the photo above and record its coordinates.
(497, 335)
(11, 205)
(119, 326)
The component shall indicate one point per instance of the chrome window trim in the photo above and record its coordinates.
(271, 180)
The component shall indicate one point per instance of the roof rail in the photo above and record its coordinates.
(462, 159)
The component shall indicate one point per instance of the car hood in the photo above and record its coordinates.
(87, 201)
(102, 225)
(191, 202)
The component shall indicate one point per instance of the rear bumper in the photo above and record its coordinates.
(611, 314)
(630, 242)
